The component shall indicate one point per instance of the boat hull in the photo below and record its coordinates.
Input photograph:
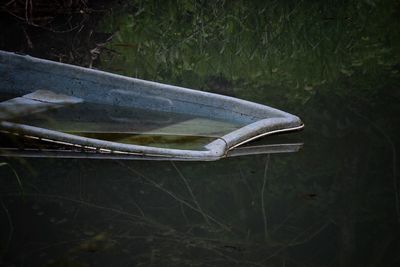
(23, 75)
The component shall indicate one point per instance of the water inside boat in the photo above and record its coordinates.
(130, 125)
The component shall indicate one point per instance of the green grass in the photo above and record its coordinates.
(296, 45)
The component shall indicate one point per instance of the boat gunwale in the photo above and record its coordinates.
(141, 87)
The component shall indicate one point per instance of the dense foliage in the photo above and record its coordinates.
(298, 45)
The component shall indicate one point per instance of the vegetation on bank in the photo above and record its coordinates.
(291, 49)
(219, 45)
(63, 30)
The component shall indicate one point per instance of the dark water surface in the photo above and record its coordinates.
(334, 203)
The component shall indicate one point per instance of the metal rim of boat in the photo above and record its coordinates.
(217, 149)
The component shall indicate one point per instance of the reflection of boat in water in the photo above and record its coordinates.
(112, 115)
(34, 148)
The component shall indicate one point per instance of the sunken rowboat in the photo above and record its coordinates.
(113, 114)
